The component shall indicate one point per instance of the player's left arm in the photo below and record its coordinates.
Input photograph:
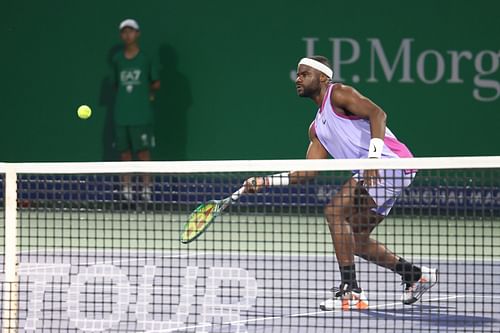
(350, 100)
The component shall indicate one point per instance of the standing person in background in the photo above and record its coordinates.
(137, 79)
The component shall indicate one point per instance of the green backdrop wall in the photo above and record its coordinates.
(226, 69)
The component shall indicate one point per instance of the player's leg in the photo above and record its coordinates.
(363, 223)
(142, 141)
(342, 206)
(374, 204)
(337, 213)
(122, 145)
(416, 280)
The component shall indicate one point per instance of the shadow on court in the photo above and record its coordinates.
(441, 316)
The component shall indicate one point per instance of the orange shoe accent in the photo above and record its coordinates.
(362, 305)
(345, 305)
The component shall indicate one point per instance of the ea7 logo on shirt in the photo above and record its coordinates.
(128, 77)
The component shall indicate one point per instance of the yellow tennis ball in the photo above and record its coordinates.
(84, 112)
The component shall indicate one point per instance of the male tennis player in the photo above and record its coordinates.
(349, 125)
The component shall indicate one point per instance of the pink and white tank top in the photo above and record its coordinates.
(349, 136)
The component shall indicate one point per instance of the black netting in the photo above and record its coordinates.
(98, 256)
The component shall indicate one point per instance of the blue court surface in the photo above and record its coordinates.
(127, 271)
(85, 290)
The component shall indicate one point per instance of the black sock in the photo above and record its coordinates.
(409, 272)
(348, 275)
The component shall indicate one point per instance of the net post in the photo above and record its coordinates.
(11, 283)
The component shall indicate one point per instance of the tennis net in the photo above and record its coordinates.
(82, 252)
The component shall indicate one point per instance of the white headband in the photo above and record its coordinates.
(316, 65)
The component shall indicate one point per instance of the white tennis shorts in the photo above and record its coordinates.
(390, 185)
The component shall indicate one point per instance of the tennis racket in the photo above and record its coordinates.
(201, 218)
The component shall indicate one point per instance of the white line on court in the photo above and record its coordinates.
(195, 253)
(114, 262)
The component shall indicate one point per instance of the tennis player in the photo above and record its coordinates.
(350, 126)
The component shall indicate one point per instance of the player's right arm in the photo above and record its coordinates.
(315, 150)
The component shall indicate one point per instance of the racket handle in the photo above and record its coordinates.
(236, 195)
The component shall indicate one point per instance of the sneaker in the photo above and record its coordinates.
(147, 194)
(127, 192)
(344, 299)
(414, 291)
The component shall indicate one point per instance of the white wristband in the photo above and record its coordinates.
(278, 179)
(376, 147)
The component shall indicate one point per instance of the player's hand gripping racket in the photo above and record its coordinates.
(201, 218)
